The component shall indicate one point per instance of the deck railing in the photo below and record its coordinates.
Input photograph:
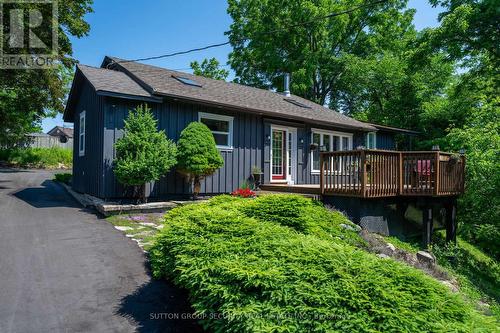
(382, 173)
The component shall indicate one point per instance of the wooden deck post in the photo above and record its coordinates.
(321, 174)
(437, 174)
(363, 173)
(451, 221)
(427, 221)
(400, 176)
(462, 180)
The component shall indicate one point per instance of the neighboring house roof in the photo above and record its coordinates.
(38, 134)
(161, 82)
(59, 130)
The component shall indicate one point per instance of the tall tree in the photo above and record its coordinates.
(210, 68)
(469, 30)
(469, 34)
(29, 95)
(269, 38)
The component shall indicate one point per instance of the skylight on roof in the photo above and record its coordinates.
(187, 81)
(294, 102)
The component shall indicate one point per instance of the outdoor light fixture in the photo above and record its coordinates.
(301, 140)
(268, 137)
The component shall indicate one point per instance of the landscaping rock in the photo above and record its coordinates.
(383, 256)
(409, 258)
(354, 227)
(123, 228)
(426, 258)
(389, 249)
(148, 224)
(450, 285)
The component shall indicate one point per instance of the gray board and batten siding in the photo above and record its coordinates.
(93, 172)
(173, 117)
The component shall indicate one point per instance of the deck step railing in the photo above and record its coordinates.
(381, 173)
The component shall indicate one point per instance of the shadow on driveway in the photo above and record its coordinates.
(159, 306)
(49, 196)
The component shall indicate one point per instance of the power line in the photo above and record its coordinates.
(320, 18)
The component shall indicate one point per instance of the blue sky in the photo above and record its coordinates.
(124, 29)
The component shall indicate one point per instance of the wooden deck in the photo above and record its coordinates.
(380, 173)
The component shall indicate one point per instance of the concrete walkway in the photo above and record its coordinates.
(63, 269)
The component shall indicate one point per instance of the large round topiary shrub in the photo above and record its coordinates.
(197, 154)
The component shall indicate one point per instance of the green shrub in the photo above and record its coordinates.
(261, 276)
(37, 157)
(143, 154)
(63, 177)
(198, 155)
(302, 214)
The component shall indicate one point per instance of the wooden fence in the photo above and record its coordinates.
(381, 173)
(47, 141)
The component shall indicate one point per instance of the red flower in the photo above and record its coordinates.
(243, 193)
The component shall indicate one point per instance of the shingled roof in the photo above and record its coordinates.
(105, 80)
(162, 82)
(59, 130)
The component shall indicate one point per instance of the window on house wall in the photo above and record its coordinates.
(221, 127)
(328, 141)
(81, 135)
(371, 140)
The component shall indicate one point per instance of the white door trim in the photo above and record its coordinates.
(291, 173)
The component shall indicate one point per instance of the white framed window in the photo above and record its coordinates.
(221, 127)
(371, 140)
(81, 134)
(328, 141)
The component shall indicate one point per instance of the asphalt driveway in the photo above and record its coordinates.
(63, 269)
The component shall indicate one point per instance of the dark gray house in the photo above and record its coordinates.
(280, 133)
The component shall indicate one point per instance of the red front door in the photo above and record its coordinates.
(278, 147)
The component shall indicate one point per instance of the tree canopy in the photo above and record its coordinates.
(209, 68)
(29, 95)
(269, 38)
(371, 63)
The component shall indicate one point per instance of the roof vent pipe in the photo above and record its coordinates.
(286, 90)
